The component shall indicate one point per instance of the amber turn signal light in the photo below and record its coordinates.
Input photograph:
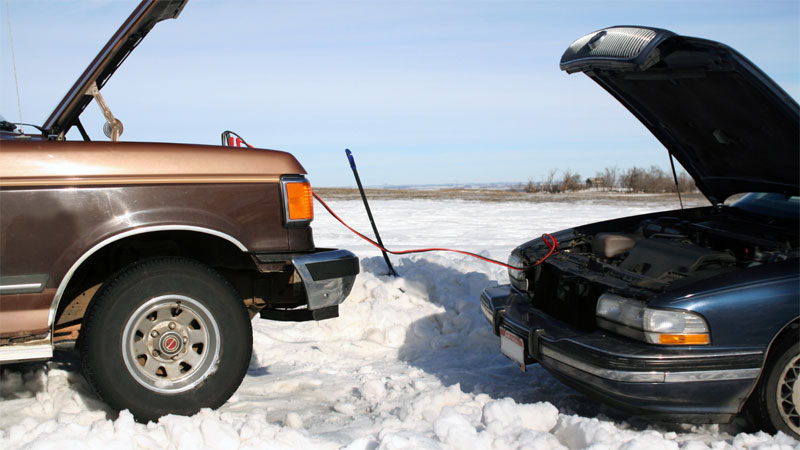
(684, 339)
(299, 203)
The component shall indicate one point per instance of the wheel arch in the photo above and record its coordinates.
(230, 245)
(790, 328)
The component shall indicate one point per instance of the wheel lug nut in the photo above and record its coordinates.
(185, 340)
(154, 333)
(172, 325)
(156, 353)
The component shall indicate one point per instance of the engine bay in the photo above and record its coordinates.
(640, 257)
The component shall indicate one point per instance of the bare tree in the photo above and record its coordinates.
(631, 179)
(531, 186)
(549, 184)
(635, 179)
(571, 181)
(607, 179)
(686, 183)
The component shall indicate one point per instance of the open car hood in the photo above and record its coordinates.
(730, 126)
(121, 44)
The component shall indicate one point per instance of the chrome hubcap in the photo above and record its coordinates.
(788, 394)
(170, 344)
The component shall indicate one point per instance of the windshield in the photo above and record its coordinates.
(770, 204)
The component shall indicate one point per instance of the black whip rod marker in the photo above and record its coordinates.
(369, 212)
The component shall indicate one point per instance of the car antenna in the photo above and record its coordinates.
(14, 65)
(369, 212)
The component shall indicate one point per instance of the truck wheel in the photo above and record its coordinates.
(777, 405)
(166, 336)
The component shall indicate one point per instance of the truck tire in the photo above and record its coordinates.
(166, 336)
(777, 396)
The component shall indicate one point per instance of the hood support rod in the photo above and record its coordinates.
(675, 177)
(113, 126)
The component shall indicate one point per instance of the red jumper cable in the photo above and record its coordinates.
(548, 239)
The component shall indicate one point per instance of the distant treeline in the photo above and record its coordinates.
(634, 179)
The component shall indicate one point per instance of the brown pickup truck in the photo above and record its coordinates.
(152, 258)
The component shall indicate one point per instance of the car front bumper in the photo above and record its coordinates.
(686, 384)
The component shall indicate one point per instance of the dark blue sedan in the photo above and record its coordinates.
(690, 315)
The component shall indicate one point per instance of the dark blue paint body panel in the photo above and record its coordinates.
(749, 306)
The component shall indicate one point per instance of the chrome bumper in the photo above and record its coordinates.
(327, 276)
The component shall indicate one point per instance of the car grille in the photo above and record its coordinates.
(566, 297)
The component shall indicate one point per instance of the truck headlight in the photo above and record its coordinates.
(634, 319)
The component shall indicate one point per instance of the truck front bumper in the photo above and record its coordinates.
(321, 280)
(328, 276)
(686, 384)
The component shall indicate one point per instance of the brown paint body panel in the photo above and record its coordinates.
(59, 200)
(25, 314)
(45, 230)
(37, 163)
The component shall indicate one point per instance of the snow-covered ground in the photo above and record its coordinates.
(410, 362)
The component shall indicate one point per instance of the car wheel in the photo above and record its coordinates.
(778, 393)
(166, 336)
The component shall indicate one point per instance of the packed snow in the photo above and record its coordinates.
(410, 362)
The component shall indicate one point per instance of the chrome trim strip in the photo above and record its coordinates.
(487, 312)
(64, 281)
(712, 375)
(23, 284)
(486, 308)
(609, 374)
(22, 352)
(652, 376)
(24, 288)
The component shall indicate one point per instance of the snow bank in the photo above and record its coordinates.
(410, 363)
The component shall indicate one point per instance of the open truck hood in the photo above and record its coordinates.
(730, 126)
(121, 44)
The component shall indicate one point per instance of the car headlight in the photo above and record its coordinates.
(515, 260)
(634, 319)
(517, 277)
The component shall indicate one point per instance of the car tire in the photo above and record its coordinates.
(166, 336)
(776, 405)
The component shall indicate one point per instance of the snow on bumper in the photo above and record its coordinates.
(688, 384)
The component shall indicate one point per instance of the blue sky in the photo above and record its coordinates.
(423, 92)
